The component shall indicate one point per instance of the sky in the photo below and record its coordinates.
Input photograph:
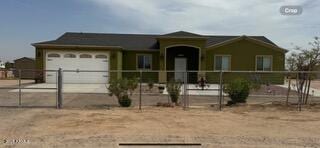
(23, 22)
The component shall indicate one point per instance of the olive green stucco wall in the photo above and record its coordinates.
(243, 58)
(39, 54)
(130, 64)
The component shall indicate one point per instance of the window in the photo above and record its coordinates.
(101, 56)
(70, 55)
(53, 55)
(144, 61)
(85, 56)
(263, 63)
(222, 62)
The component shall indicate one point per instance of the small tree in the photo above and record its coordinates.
(304, 60)
(122, 88)
(9, 65)
(174, 89)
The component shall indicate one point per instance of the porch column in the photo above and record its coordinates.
(162, 73)
(201, 64)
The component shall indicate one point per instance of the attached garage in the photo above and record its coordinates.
(75, 63)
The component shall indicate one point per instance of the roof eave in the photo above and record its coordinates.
(75, 46)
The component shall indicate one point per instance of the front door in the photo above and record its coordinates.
(180, 66)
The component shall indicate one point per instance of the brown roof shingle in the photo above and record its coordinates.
(133, 41)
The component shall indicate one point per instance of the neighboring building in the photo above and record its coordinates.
(178, 51)
(2, 73)
(26, 66)
(5, 72)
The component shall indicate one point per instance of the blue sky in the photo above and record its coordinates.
(23, 22)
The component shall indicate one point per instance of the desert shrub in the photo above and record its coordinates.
(132, 84)
(238, 90)
(173, 89)
(121, 88)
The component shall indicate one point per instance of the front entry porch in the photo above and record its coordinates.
(180, 59)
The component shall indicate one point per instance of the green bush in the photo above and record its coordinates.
(238, 90)
(173, 89)
(121, 88)
(125, 101)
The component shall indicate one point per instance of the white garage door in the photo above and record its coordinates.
(78, 61)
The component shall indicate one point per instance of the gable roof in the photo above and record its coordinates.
(251, 39)
(133, 41)
(212, 40)
(27, 58)
(181, 34)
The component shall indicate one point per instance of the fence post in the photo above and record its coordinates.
(20, 88)
(140, 90)
(220, 91)
(185, 90)
(299, 91)
(60, 84)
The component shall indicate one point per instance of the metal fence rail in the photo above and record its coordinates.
(198, 88)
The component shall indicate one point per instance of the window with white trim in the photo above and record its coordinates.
(53, 55)
(144, 62)
(101, 56)
(85, 56)
(263, 63)
(222, 62)
(69, 55)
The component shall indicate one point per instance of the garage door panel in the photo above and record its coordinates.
(93, 77)
(51, 64)
(80, 64)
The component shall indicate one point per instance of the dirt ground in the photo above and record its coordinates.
(95, 120)
(243, 126)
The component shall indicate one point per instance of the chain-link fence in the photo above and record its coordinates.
(197, 89)
(22, 88)
(191, 89)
